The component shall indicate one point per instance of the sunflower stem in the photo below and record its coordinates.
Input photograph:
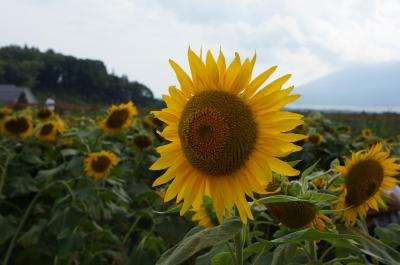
(239, 247)
(313, 250)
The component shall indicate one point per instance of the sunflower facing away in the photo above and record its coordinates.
(119, 118)
(367, 175)
(99, 165)
(226, 134)
(298, 214)
(48, 131)
(18, 126)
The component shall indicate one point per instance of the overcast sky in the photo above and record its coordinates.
(137, 37)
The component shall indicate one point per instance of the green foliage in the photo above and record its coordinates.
(68, 78)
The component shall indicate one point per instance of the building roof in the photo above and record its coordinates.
(11, 93)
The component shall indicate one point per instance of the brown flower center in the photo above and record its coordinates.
(117, 119)
(101, 164)
(17, 125)
(217, 132)
(46, 129)
(363, 181)
(44, 114)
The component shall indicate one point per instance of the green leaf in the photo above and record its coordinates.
(48, 173)
(375, 248)
(277, 198)
(223, 258)
(7, 229)
(23, 185)
(283, 253)
(310, 234)
(69, 152)
(200, 240)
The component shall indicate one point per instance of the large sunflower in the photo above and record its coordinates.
(18, 126)
(225, 133)
(119, 118)
(99, 165)
(367, 175)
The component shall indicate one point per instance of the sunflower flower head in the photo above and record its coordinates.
(44, 114)
(119, 118)
(366, 177)
(99, 165)
(366, 133)
(226, 132)
(48, 131)
(20, 126)
(315, 138)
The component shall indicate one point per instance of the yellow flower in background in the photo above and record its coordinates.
(20, 126)
(367, 175)
(202, 216)
(315, 138)
(299, 214)
(119, 118)
(4, 112)
(49, 130)
(45, 114)
(366, 133)
(226, 134)
(99, 165)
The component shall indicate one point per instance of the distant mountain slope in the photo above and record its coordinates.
(68, 78)
(362, 86)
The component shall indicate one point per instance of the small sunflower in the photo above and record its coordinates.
(226, 134)
(344, 129)
(18, 126)
(299, 214)
(367, 175)
(119, 118)
(49, 130)
(99, 165)
(45, 114)
(366, 133)
(315, 138)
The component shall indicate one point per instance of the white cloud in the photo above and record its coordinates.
(306, 38)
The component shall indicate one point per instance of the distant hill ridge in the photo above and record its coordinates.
(68, 78)
(361, 86)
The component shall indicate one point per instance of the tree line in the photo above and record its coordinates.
(68, 78)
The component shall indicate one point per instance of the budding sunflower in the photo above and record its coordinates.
(99, 165)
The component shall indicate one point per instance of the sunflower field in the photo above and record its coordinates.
(222, 175)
